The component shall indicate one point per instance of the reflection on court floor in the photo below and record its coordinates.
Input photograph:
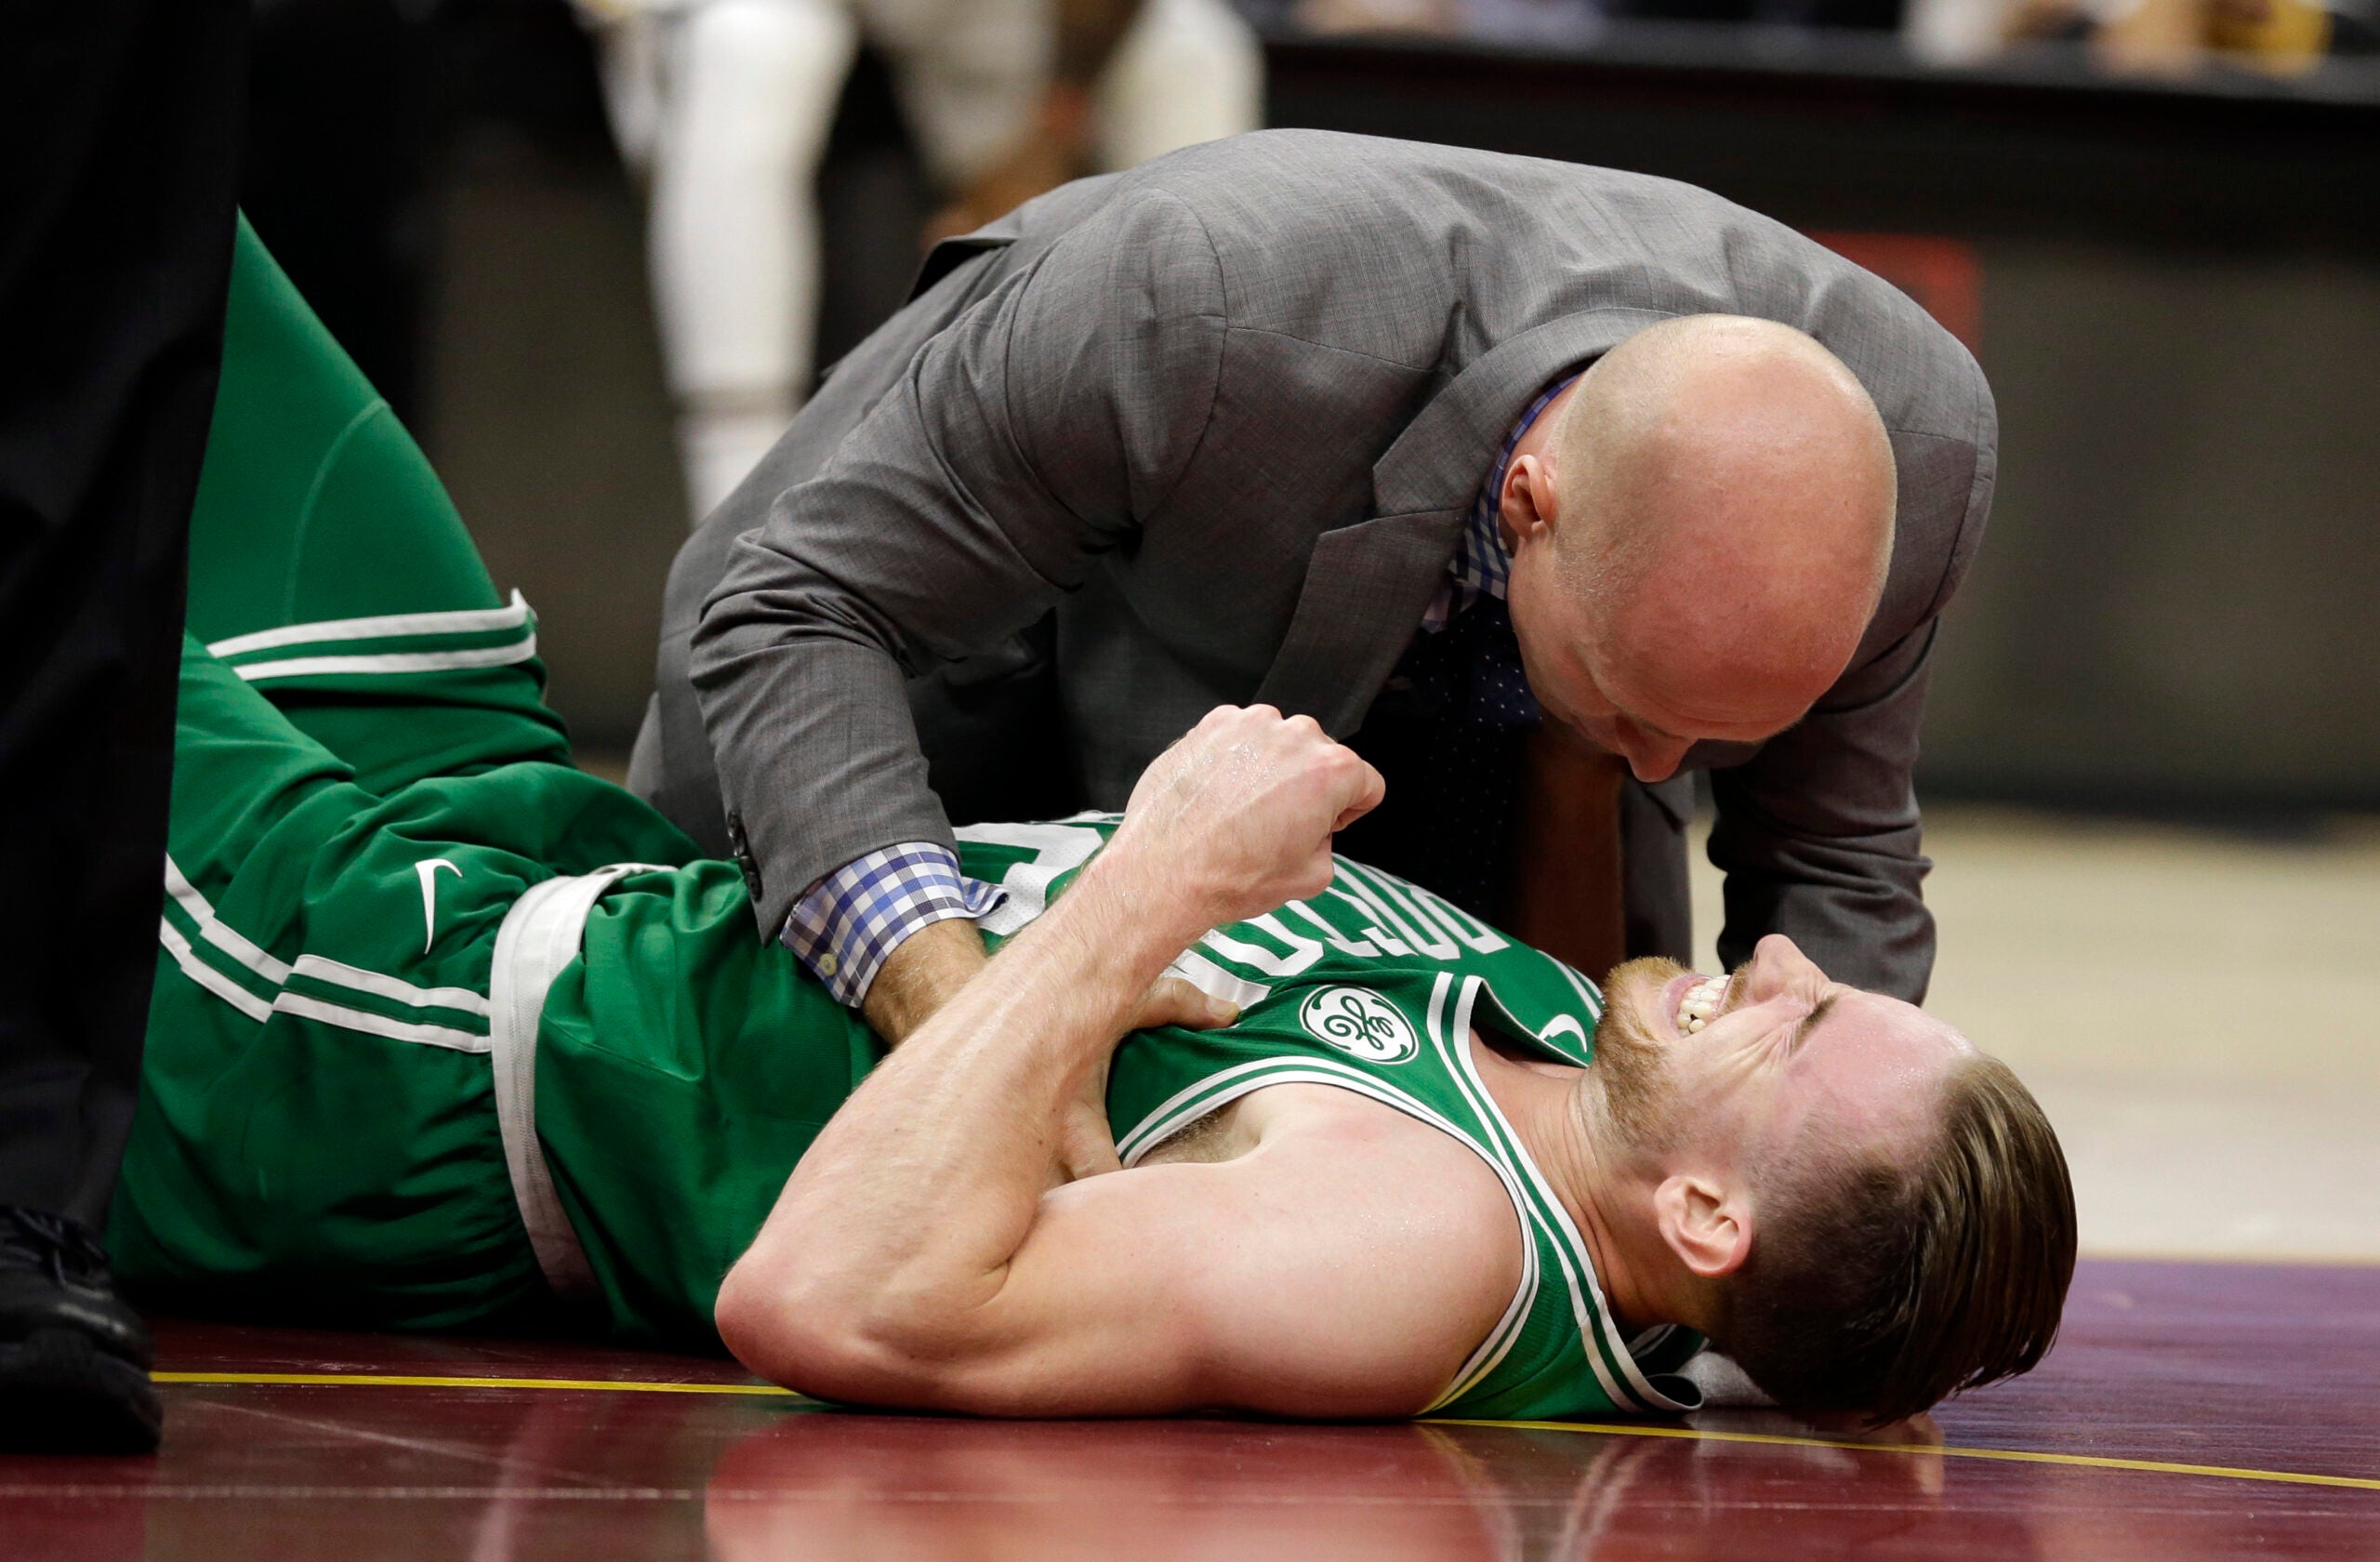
(2190, 1410)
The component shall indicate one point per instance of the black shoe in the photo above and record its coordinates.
(73, 1358)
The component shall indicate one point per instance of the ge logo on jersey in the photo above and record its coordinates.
(1360, 1022)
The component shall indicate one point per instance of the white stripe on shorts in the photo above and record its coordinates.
(395, 662)
(387, 625)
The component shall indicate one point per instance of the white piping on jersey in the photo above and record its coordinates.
(1487, 1359)
(212, 929)
(1578, 1052)
(392, 663)
(340, 975)
(420, 1031)
(304, 1007)
(1475, 1091)
(386, 626)
(1265, 1072)
(1221, 1089)
(1563, 1025)
(1589, 994)
(208, 977)
(1568, 1244)
(1169, 1117)
(1484, 1360)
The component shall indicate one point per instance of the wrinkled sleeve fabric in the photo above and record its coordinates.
(1819, 833)
(1022, 442)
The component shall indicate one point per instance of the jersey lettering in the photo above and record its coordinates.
(1057, 850)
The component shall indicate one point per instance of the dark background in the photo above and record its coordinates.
(2174, 289)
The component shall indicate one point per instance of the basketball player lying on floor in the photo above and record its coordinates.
(450, 1035)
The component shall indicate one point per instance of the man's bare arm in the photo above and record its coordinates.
(924, 973)
(894, 1243)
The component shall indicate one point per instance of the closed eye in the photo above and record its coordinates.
(1810, 1023)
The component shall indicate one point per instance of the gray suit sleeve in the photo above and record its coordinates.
(1017, 445)
(1819, 833)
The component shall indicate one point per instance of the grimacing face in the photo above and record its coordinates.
(1779, 1050)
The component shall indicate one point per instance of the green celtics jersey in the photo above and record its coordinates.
(1374, 987)
(430, 1049)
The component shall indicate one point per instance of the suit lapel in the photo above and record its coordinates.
(1368, 585)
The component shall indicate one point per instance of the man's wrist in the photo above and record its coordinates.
(1148, 901)
(845, 927)
(920, 977)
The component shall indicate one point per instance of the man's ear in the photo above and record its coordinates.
(1528, 501)
(1706, 1226)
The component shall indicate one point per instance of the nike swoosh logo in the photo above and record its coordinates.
(429, 871)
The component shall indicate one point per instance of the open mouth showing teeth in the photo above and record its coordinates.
(1700, 1004)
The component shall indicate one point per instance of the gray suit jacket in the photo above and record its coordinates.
(1226, 413)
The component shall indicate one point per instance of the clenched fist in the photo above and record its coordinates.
(1236, 817)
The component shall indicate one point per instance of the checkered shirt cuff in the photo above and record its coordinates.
(854, 918)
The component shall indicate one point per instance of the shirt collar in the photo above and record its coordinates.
(1481, 562)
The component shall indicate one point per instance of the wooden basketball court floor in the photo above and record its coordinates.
(2192, 1409)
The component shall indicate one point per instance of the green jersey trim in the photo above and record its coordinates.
(1539, 1211)
(1221, 1089)
(1615, 1365)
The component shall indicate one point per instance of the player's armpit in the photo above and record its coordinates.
(1346, 1269)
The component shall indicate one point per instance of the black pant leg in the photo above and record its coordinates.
(118, 162)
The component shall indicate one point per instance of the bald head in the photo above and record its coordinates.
(1721, 499)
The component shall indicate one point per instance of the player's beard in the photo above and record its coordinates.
(1640, 1097)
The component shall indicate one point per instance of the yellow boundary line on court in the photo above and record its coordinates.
(2011, 1456)
(387, 1379)
(1608, 1429)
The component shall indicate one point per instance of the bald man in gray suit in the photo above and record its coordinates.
(1447, 449)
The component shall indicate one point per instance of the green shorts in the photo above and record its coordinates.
(430, 1048)
(447, 1056)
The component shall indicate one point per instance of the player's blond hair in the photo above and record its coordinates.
(1883, 1290)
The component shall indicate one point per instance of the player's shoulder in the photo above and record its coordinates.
(1400, 1182)
(1372, 1255)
